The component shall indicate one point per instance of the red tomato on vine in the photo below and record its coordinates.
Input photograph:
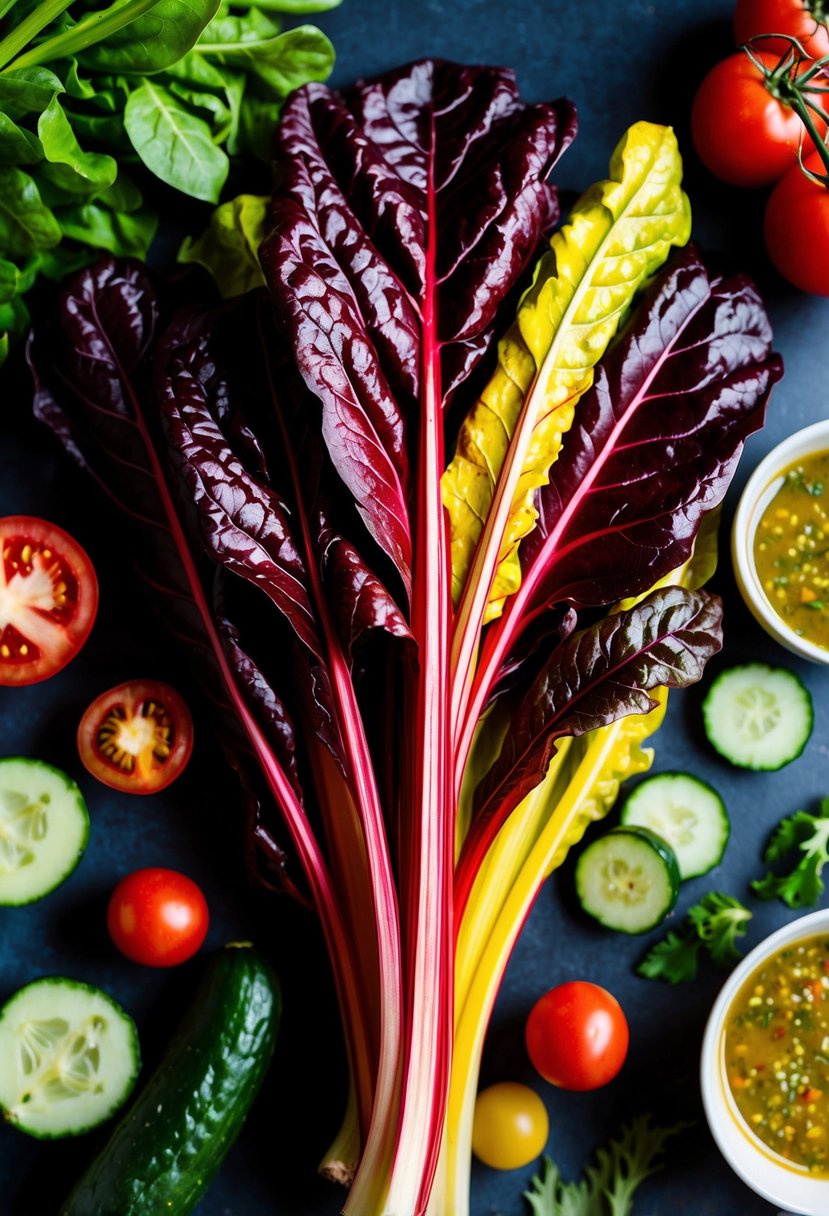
(743, 132)
(805, 20)
(796, 228)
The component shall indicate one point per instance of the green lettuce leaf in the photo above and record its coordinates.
(228, 248)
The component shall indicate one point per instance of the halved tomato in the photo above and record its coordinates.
(48, 599)
(137, 737)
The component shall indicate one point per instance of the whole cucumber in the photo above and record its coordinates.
(169, 1145)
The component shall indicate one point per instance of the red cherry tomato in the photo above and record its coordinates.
(741, 132)
(157, 917)
(792, 17)
(577, 1036)
(137, 737)
(796, 229)
(48, 599)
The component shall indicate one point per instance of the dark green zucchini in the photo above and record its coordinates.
(171, 1142)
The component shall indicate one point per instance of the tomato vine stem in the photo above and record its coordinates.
(795, 88)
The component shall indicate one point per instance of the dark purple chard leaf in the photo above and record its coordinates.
(403, 216)
(108, 322)
(534, 646)
(359, 602)
(270, 710)
(597, 675)
(655, 441)
(243, 523)
(91, 362)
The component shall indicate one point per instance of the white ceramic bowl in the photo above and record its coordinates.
(762, 486)
(758, 1167)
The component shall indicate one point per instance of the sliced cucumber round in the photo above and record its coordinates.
(68, 1058)
(44, 827)
(758, 717)
(687, 813)
(628, 879)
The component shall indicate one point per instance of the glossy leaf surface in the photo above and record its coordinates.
(616, 235)
(655, 441)
(595, 676)
(422, 196)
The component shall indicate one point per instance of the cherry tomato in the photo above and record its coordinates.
(797, 229)
(742, 133)
(137, 737)
(157, 917)
(48, 599)
(510, 1127)
(793, 17)
(577, 1036)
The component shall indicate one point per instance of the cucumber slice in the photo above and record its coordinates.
(687, 813)
(758, 717)
(628, 879)
(68, 1058)
(44, 827)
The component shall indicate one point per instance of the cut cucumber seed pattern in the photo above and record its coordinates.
(686, 812)
(44, 825)
(758, 717)
(68, 1057)
(628, 879)
(23, 825)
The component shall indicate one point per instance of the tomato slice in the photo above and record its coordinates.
(48, 599)
(137, 737)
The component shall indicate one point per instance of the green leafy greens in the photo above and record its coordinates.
(94, 105)
(713, 924)
(610, 1184)
(806, 836)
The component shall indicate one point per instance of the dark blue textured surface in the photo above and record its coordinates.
(619, 62)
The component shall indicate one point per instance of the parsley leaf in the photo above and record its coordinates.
(610, 1184)
(674, 959)
(714, 923)
(808, 836)
(719, 920)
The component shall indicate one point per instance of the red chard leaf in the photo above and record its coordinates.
(595, 676)
(243, 523)
(655, 441)
(434, 152)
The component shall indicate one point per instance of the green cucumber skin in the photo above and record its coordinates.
(169, 1145)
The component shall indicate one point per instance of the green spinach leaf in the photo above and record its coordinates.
(17, 145)
(125, 235)
(26, 225)
(153, 41)
(282, 61)
(73, 169)
(175, 144)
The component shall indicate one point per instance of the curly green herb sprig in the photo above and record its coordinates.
(799, 835)
(610, 1184)
(714, 924)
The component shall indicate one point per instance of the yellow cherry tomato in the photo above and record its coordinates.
(511, 1126)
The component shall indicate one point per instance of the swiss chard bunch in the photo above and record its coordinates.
(434, 670)
(95, 102)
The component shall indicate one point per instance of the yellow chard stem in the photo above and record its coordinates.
(610, 755)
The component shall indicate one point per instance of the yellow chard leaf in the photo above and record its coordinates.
(617, 235)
